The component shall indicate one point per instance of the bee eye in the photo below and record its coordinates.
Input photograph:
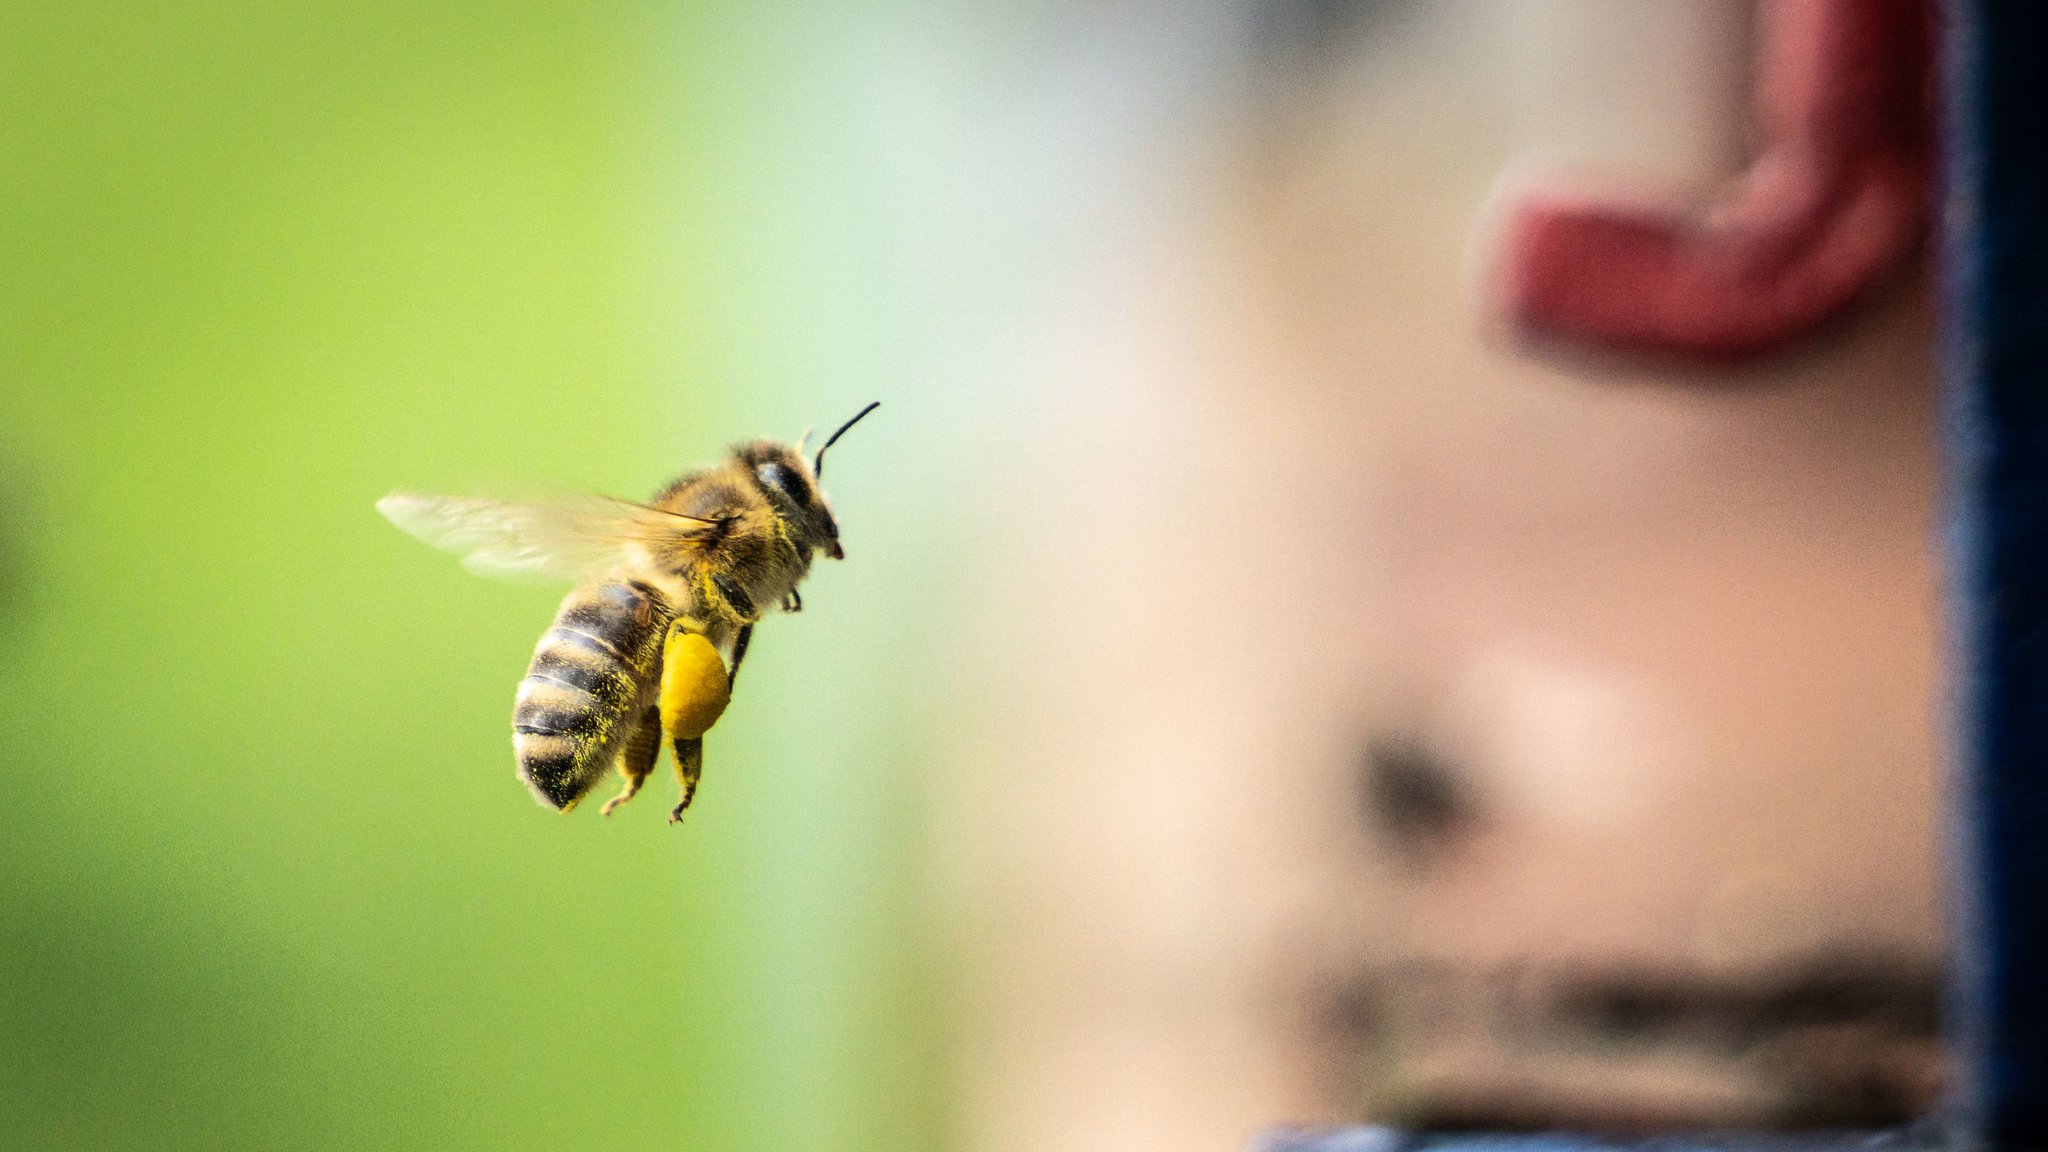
(781, 479)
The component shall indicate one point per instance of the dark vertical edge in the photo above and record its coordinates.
(1995, 281)
(1961, 455)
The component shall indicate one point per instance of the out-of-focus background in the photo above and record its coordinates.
(1256, 692)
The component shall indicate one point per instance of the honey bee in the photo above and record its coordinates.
(668, 593)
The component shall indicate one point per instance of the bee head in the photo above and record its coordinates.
(791, 483)
(786, 479)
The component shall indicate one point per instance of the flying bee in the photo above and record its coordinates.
(650, 642)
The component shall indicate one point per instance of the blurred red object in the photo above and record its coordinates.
(1837, 198)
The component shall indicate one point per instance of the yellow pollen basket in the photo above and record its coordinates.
(694, 686)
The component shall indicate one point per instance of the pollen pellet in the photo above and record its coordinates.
(694, 686)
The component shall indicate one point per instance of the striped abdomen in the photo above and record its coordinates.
(583, 694)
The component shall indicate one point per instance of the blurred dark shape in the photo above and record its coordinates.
(1646, 1005)
(1996, 276)
(1290, 33)
(1414, 798)
(1851, 1040)
(1926, 1136)
(1848, 1039)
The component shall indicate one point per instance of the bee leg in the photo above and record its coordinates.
(689, 766)
(794, 602)
(636, 760)
(739, 653)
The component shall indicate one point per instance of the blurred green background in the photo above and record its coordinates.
(268, 878)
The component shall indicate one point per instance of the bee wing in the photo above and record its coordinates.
(573, 538)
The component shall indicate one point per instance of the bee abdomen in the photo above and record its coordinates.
(588, 673)
(616, 612)
(565, 666)
(544, 708)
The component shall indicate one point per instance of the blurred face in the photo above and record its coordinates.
(1462, 735)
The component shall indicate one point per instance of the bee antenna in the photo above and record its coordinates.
(818, 462)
